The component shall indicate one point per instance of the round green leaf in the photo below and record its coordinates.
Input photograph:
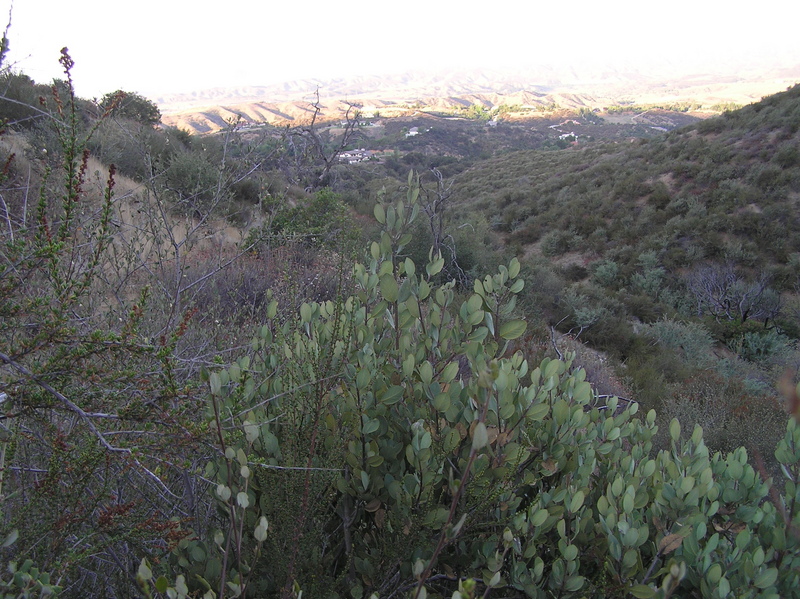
(642, 591)
(574, 583)
(223, 492)
(539, 517)
(512, 329)
(723, 588)
(577, 502)
(215, 383)
(426, 372)
(449, 373)
(627, 504)
(144, 572)
(251, 431)
(393, 394)
(538, 412)
(441, 402)
(714, 574)
(675, 429)
(766, 578)
(260, 533)
(305, 312)
(370, 427)
(480, 436)
(11, 538)
(389, 288)
(363, 378)
(380, 214)
(198, 554)
(435, 267)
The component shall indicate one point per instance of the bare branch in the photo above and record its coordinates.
(308, 144)
(724, 293)
(69, 404)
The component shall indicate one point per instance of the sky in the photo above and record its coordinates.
(155, 47)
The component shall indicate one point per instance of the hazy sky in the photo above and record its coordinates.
(159, 46)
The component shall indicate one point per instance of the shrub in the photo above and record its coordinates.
(660, 197)
(392, 443)
(319, 221)
(731, 414)
(134, 149)
(606, 273)
(527, 234)
(81, 379)
(195, 181)
(575, 272)
(247, 190)
(19, 100)
(385, 440)
(761, 346)
(650, 277)
(691, 340)
(556, 242)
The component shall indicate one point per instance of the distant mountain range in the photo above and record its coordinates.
(398, 94)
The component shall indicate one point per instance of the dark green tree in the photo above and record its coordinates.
(131, 105)
(19, 99)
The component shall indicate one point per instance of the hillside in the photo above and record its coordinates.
(678, 255)
(740, 170)
(569, 87)
(234, 365)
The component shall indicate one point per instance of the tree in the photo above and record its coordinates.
(19, 99)
(311, 153)
(131, 105)
(435, 204)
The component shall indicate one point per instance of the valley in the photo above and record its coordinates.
(482, 336)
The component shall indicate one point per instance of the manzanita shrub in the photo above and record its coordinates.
(393, 444)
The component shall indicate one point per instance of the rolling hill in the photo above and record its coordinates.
(678, 256)
(569, 87)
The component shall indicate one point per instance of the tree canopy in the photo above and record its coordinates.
(131, 105)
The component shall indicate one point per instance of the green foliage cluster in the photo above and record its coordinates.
(692, 341)
(504, 109)
(590, 116)
(131, 106)
(19, 100)
(393, 441)
(673, 107)
(192, 174)
(26, 581)
(321, 218)
(397, 446)
(726, 106)
(709, 193)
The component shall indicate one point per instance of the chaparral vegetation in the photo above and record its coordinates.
(236, 366)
